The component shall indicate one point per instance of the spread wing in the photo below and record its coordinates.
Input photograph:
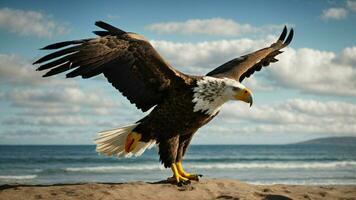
(127, 60)
(245, 66)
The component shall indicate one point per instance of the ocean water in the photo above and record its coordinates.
(256, 164)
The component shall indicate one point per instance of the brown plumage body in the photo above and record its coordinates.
(172, 123)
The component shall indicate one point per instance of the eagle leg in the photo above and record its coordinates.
(184, 174)
(180, 180)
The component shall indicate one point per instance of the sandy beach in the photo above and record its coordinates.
(204, 189)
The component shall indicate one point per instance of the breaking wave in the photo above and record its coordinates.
(19, 177)
(108, 169)
(254, 165)
(278, 165)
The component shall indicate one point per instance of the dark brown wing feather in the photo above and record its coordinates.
(128, 61)
(245, 66)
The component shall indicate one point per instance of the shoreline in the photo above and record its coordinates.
(204, 189)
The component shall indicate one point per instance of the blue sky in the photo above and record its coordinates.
(309, 93)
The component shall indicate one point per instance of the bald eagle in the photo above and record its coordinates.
(181, 103)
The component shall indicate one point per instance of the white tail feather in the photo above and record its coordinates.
(112, 142)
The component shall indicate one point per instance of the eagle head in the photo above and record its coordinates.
(237, 91)
(211, 93)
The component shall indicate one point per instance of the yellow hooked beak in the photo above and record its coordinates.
(245, 95)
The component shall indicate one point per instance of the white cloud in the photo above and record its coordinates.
(64, 106)
(213, 26)
(348, 56)
(19, 134)
(66, 120)
(351, 4)
(14, 70)
(294, 116)
(256, 84)
(305, 69)
(58, 96)
(334, 14)
(30, 23)
(202, 57)
(23, 87)
(317, 72)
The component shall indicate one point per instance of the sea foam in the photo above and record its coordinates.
(252, 165)
(18, 177)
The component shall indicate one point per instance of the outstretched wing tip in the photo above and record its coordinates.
(240, 69)
(282, 37)
(51, 46)
(283, 34)
(285, 29)
(100, 23)
(45, 75)
(48, 47)
(290, 37)
(109, 28)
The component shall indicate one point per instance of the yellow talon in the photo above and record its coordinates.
(131, 141)
(178, 177)
(185, 174)
(181, 170)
